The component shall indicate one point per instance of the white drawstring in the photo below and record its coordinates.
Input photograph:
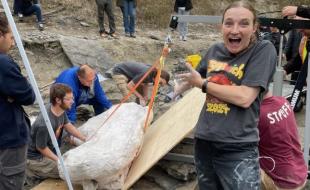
(274, 162)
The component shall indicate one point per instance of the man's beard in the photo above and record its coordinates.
(64, 106)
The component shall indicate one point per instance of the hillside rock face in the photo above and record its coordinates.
(85, 51)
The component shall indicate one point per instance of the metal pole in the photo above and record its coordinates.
(35, 88)
(200, 18)
(307, 122)
(278, 76)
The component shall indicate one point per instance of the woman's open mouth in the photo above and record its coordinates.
(234, 41)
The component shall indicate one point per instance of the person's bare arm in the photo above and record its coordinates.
(130, 85)
(242, 96)
(145, 88)
(73, 131)
(48, 153)
(289, 11)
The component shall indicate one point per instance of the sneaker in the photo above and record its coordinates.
(20, 17)
(114, 35)
(184, 38)
(127, 34)
(41, 26)
(133, 35)
(43, 21)
(103, 34)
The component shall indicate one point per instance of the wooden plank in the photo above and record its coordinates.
(165, 133)
(55, 184)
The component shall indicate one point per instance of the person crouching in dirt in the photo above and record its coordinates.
(27, 8)
(127, 74)
(234, 76)
(41, 157)
(86, 89)
(15, 92)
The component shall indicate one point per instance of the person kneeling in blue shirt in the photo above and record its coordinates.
(86, 89)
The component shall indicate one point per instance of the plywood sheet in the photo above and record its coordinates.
(166, 132)
(55, 184)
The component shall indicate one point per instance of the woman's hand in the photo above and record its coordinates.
(193, 78)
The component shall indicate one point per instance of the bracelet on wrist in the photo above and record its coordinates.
(204, 86)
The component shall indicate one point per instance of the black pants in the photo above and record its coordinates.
(105, 6)
(228, 166)
(12, 168)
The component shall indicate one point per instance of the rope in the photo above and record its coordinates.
(161, 61)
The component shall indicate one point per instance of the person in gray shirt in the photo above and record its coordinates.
(41, 158)
(127, 74)
(234, 76)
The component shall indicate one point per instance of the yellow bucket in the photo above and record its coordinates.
(193, 60)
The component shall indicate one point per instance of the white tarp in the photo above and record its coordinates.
(104, 160)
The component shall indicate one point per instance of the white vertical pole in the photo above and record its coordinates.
(35, 88)
(307, 122)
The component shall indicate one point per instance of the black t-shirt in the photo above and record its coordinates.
(134, 71)
(221, 121)
(39, 134)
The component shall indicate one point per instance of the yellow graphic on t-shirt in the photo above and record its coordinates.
(218, 108)
(215, 105)
(237, 71)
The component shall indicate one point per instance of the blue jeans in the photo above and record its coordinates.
(129, 16)
(35, 8)
(182, 26)
(227, 166)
